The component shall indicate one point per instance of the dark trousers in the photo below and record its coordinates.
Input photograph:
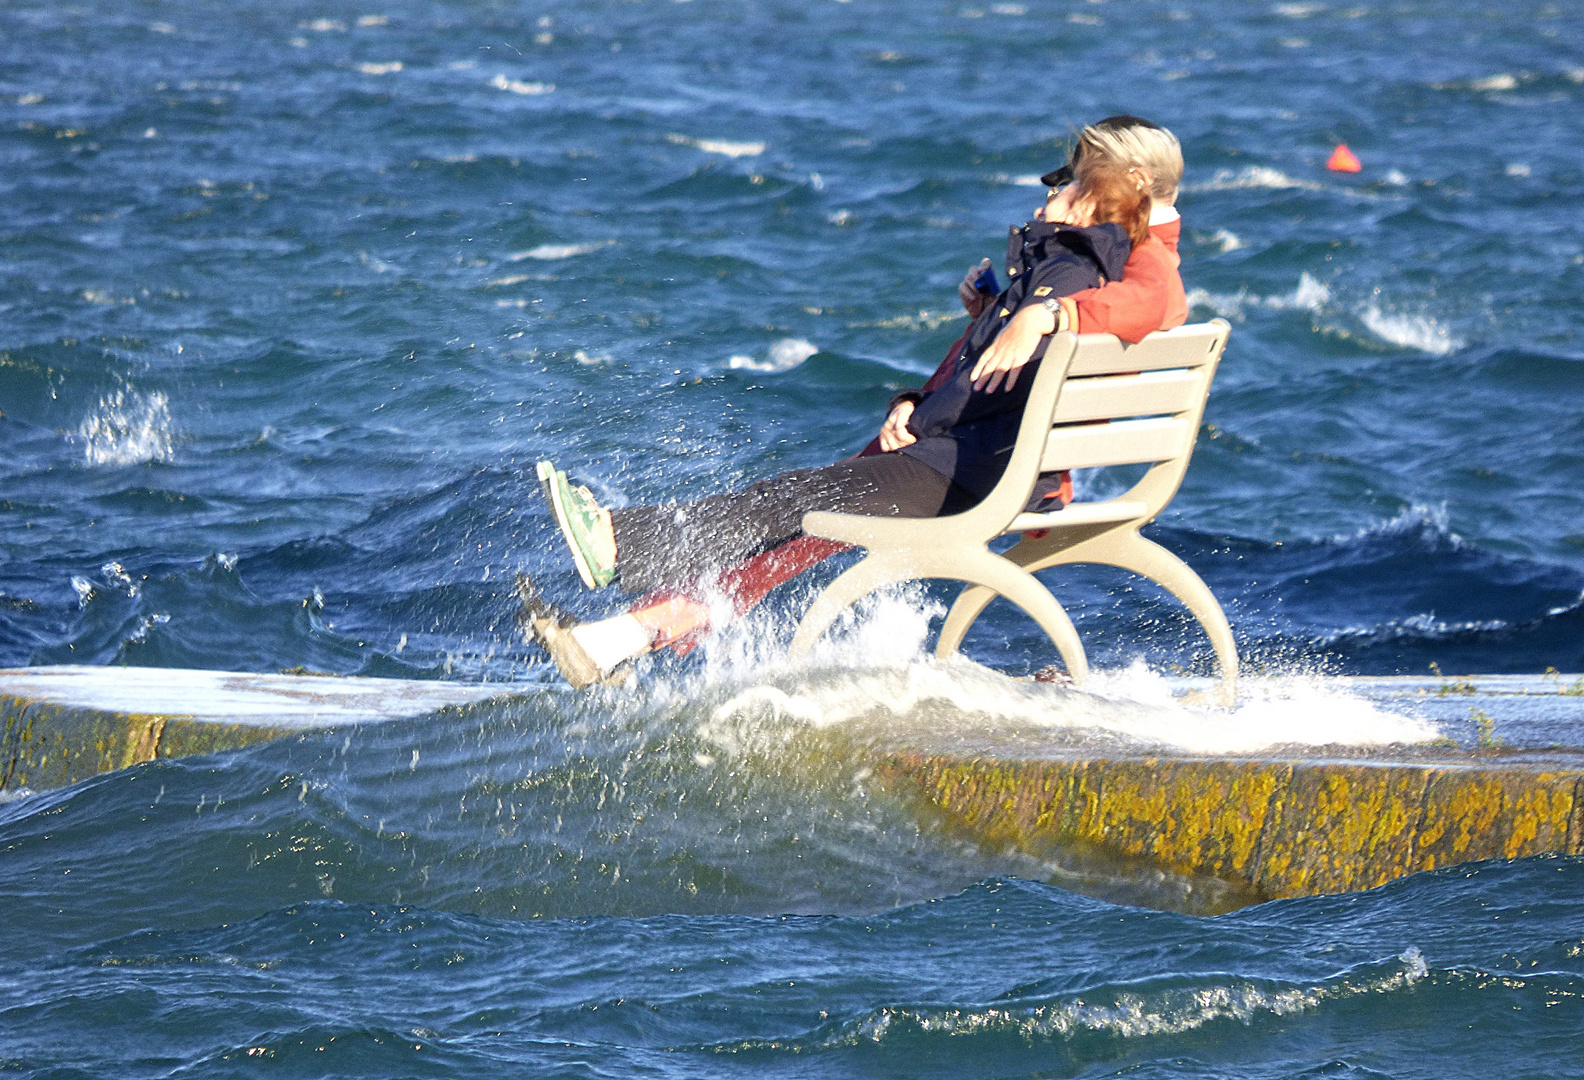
(669, 547)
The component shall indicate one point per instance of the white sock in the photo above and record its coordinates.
(611, 641)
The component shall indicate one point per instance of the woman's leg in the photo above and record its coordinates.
(672, 547)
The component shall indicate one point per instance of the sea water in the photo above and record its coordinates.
(293, 295)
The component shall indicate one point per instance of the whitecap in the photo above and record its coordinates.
(1410, 331)
(517, 86)
(720, 146)
(549, 252)
(127, 428)
(1298, 11)
(1496, 82)
(1255, 176)
(1310, 295)
(322, 26)
(1226, 240)
(1518, 169)
(784, 355)
(373, 20)
(389, 68)
(588, 359)
(1395, 178)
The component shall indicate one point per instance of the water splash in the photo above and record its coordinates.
(127, 428)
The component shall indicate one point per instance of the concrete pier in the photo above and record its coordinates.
(1239, 831)
(59, 725)
(1216, 832)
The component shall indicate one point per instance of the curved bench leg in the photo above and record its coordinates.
(964, 610)
(1149, 559)
(981, 570)
(1024, 590)
(852, 585)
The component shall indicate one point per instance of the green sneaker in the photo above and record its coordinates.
(584, 524)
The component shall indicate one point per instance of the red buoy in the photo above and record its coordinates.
(1343, 160)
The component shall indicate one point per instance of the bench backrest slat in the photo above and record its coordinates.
(1125, 442)
(1186, 346)
(1110, 397)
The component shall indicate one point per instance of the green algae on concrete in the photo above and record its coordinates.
(1265, 828)
(60, 725)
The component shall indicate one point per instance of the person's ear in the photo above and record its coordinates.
(1144, 176)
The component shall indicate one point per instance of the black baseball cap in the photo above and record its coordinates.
(1122, 121)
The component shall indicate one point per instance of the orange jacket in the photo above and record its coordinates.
(1148, 297)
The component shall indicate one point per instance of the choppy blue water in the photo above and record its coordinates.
(292, 296)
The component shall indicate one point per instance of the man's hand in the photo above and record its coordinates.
(1012, 348)
(972, 299)
(895, 435)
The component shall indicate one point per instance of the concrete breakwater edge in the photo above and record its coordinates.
(1190, 832)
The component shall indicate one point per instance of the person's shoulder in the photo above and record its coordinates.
(1168, 233)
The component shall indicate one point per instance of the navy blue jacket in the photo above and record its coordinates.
(968, 434)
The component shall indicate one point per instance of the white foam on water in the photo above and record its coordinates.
(1395, 178)
(1298, 11)
(1503, 81)
(784, 355)
(389, 68)
(1518, 168)
(874, 669)
(1410, 331)
(517, 86)
(1255, 176)
(127, 428)
(551, 252)
(725, 147)
(1226, 240)
(373, 20)
(1310, 295)
(322, 26)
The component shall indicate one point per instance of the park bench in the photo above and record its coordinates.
(1094, 402)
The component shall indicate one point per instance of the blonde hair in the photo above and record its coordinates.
(1137, 144)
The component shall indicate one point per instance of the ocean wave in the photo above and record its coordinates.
(1420, 332)
(127, 428)
(1309, 295)
(1431, 525)
(1406, 330)
(1123, 1012)
(724, 147)
(1254, 176)
(518, 86)
(551, 252)
(784, 355)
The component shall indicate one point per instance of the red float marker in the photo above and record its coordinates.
(1343, 160)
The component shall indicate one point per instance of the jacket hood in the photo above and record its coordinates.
(1108, 245)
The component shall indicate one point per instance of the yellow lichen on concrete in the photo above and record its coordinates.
(1271, 828)
(45, 745)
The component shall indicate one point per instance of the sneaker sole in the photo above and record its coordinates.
(552, 492)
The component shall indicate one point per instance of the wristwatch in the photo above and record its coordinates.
(1053, 305)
